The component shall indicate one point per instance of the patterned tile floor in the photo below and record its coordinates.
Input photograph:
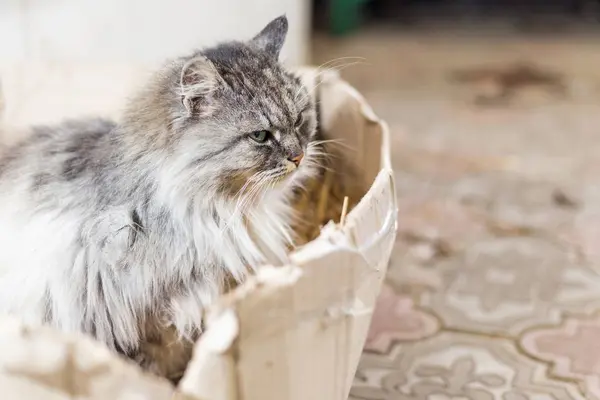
(494, 287)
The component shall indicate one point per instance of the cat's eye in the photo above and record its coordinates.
(260, 136)
(299, 120)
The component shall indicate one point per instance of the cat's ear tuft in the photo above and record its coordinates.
(272, 37)
(198, 79)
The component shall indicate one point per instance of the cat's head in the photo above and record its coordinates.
(239, 118)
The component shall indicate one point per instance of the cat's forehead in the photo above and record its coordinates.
(259, 80)
(252, 78)
(277, 100)
(263, 80)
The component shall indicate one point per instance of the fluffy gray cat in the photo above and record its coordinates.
(125, 230)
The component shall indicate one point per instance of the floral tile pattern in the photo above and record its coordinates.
(503, 286)
(396, 319)
(571, 351)
(474, 312)
(457, 366)
(484, 300)
(493, 291)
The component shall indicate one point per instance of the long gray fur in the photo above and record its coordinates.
(119, 230)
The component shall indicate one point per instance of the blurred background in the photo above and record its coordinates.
(493, 107)
(493, 291)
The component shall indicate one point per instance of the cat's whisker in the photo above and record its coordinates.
(316, 152)
(264, 182)
(253, 182)
(328, 64)
(331, 66)
(338, 66)
(257, 180)
(337, 142)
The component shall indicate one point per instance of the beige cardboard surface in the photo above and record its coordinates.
(40, 363)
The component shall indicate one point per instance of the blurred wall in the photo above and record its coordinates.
(70, 57)
(139, 30)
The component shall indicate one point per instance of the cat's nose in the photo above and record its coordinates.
(297, 158)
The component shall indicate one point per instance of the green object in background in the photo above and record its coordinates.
(345, 15)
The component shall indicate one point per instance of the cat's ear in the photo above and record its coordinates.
(198, 79)
(271, 38)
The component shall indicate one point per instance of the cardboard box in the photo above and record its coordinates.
(294, 332)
